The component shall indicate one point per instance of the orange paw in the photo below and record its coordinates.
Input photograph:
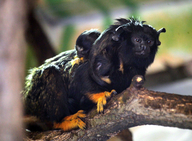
(75, 61)
(82, 59)
(72, 122)
(100, 99)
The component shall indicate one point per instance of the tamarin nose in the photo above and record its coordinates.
(142, 47)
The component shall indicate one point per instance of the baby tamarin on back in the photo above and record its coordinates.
(84, 43)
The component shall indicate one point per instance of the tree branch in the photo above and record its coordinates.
(134, 106)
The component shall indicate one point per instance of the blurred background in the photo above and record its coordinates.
(54, 25)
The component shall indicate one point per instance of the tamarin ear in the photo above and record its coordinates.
(117, 33)
(161, 30)
(119, 30)
(158, 33)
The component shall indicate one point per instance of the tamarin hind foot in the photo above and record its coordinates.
(101, 99)
(71, 122)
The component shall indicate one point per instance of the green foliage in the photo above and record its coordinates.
(99, 5)
(176, 21)
(67, 8)
(68, 33)
(31, 60)
(107, 21)
(178, 30)
(132, 5)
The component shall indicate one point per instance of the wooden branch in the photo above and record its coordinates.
(134, 106)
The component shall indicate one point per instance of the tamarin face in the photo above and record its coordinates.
(142, 44)
(138, 42)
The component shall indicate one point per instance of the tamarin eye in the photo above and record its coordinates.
(149, 41)
(138, 40)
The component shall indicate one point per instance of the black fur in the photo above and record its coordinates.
(53, 92)
(46, 88)
(123, 50)
(85, 41)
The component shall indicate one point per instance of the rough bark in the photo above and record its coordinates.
(12, 62)
(134, 106)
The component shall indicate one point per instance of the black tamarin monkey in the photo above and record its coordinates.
(137, 46)
(85, 41)
(83, 45)
(59, 71)
(53, 93)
